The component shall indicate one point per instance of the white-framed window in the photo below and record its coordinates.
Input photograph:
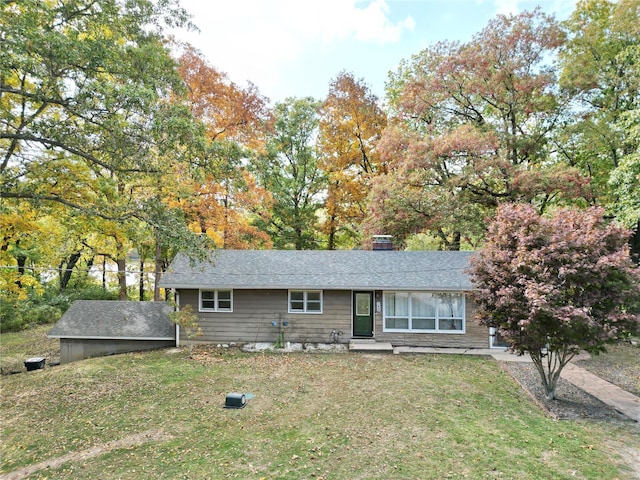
(216, 300)
(424, 312)
(305, 301)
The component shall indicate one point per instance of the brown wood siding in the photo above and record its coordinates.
(254, 310)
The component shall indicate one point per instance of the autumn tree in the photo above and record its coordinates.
(85, 121)
(227, 110)
(290, 171)
(351, 124)
(22, 232)
(469, 129)
(225, 199)
(554, 286)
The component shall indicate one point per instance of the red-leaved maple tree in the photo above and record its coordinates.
(555, 286)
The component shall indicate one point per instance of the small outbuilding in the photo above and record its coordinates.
(94, 328)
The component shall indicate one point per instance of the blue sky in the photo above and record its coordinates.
(296, 47)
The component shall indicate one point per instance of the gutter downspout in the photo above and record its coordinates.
(176, 297)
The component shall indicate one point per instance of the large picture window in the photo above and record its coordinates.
(305, 301)
(216, 300)
(424, 312)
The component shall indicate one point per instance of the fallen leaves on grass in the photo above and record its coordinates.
(130, 441)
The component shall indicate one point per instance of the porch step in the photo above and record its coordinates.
(357, 345)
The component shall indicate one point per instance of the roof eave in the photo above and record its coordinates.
(107, 337)
(320, 287)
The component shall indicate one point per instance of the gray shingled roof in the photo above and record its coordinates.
(111, 319)
(322, 269)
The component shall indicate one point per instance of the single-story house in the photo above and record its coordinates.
(402, 298)
(94, 328)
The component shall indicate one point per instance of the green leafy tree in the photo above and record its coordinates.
(554, 286)
(85, 117)
(625, 179)
(600, 72)
(290, 172)
(80, 83)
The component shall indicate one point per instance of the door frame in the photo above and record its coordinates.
(372, 313)
(492, 340)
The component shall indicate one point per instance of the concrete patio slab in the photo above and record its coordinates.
(367, 346)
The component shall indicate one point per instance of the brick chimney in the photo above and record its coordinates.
(382, 242)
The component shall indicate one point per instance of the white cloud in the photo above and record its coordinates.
(253, 39)
(372, 24)
(335, 20)
(507, 7)
(294, 47)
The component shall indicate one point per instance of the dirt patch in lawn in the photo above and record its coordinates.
(124, 443)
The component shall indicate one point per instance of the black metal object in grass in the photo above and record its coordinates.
(237, 400)
(34, 363)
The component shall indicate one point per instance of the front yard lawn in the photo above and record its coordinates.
(333, 416)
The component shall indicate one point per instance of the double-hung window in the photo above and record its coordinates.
(305, 301)
(424, 312)
(216, 300)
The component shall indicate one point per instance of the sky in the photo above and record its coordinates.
(295, 48)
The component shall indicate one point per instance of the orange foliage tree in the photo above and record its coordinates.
(224, 198)
(351, 125)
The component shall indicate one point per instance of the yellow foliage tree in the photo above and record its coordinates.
(351, 125)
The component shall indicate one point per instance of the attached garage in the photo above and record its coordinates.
(95, 328)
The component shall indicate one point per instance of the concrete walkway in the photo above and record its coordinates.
(614, 396)
(608, 393)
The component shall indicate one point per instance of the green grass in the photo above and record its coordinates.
(16, 347)
(313, 416)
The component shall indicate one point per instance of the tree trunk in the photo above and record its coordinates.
(141, 284)
(158, 269)
(331, 244)
(122, 277)
(455, 244)
(22, 262)
(104, 273)
(549, 365)
(634, 241)
(65, 275)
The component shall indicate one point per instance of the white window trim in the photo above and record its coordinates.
(437, 319)
(304, 301)
(216, 308)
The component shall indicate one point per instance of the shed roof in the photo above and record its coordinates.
(323, 269)
(112, 319)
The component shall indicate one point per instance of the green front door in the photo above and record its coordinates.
(363, 314)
